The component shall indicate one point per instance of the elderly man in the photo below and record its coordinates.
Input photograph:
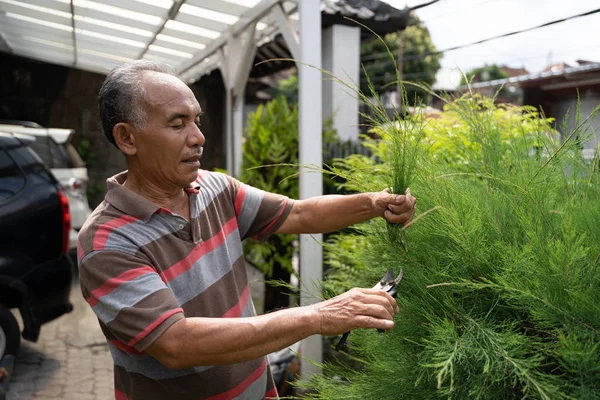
(161, 260)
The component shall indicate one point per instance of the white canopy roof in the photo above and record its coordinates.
(96, 35)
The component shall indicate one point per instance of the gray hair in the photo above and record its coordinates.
(122, 96)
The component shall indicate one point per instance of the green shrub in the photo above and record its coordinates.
(501, 291)
(270, 163)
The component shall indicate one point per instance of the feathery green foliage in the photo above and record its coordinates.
(501, 291)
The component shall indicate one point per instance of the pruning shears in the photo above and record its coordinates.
(387, 283)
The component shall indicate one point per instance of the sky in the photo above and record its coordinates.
(457, 22)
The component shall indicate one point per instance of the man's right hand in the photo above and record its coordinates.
(357, 308)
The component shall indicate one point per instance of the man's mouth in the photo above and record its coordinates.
(193, 160)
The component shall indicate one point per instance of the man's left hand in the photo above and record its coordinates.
(395, 208)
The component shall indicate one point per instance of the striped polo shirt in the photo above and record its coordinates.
(143, 268)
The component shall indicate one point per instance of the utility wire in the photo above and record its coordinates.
(458, 10)
(432, 53)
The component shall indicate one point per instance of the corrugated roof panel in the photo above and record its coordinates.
(193, 29)
(183, 42)
(179, 34)
(179, 46)
(209, 14)
(165, 51)
(137, 7)
(14, 26)
(200, 22)
(91, 23)
(35, 13)
(98, 45)
(24, 21)
(33, 36)
(50, 56)
(63, 6)
(119, 12)
(108, 32)
(31, 43)
(110, 39)
(115, 19)
(220, 6)
(111, 31)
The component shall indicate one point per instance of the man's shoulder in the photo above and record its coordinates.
(214, 180)
(101, 222)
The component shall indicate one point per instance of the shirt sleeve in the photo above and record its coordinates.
(128, 296)
(259, 213)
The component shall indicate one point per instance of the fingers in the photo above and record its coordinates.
(382, 298)
(357, 308)
(370, 322)
(401, 213)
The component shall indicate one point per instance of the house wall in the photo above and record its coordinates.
(565, 108)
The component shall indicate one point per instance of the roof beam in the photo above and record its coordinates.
(172, 14)
(4, 44)
(74, 33)
(287, 31)
(252, 15)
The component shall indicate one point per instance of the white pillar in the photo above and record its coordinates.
(310, 153)
(341, 56)
(238, 134)
(229, 131)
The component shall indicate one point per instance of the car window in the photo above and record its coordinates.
(31, 164)
(12, 179)
(75, 160)
(52, 154)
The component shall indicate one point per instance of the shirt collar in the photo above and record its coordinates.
(131, 203)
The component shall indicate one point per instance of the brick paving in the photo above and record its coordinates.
(70, 361)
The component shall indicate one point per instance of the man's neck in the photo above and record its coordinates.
(173, 199)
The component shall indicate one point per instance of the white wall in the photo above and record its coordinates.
(341, 56)
(588, 102)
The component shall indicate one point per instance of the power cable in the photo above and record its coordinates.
(458, 10)
(437, 52)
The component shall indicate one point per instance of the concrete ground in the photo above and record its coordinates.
(71, 360)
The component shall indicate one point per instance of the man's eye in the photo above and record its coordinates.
(179, 126)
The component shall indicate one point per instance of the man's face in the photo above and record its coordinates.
(170, 145)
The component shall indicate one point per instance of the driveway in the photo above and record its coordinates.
(70, 361)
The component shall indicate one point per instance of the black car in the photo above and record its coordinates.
(35, 272)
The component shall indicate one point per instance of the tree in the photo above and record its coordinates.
(484, 74)
(380, 65)
(500, 292)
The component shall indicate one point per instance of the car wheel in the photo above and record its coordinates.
(10, 336)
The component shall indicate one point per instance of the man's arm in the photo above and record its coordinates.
(329, 213)
(214, 341)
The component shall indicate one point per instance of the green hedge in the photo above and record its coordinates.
(501, 290)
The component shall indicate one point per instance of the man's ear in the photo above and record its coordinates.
(123, 134)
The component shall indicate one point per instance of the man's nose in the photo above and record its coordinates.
(196, 137)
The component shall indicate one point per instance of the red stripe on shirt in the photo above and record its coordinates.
(120, 395)
(153, 325)
(105, 229)
(272, 394)
(112, 283)
(239, 200)
(236, 310)
(275, 220)
(239, 389)
(127, 349)
(181, 266)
